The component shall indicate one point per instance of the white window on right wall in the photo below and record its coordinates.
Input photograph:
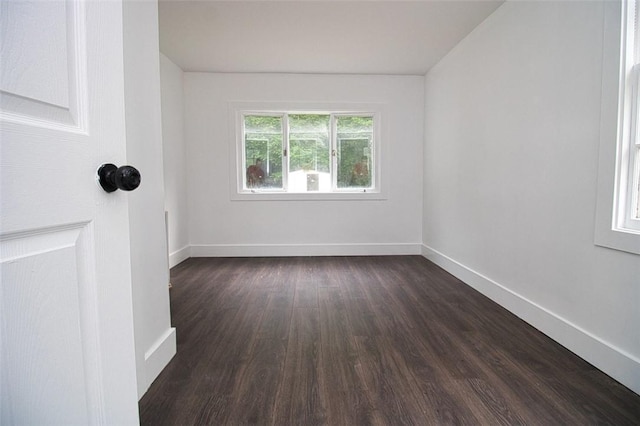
(618, 208)
(629, 168)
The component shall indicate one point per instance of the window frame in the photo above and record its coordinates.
(619, 125)
(238, 110)
(630, 161)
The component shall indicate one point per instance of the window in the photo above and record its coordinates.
(307, 152)
(629, 167)
(618, 208)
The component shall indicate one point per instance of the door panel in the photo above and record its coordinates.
(43, 71)
(42, 334)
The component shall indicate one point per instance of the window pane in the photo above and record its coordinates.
(263, 152)
(355, 159)
(310, 153)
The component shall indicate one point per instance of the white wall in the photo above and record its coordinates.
(175, 166)
(154, 338)
(510, 160)
(219, 226)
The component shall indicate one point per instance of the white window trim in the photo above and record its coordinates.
(610, 230)
(237, 109)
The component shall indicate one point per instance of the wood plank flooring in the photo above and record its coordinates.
(363, 340)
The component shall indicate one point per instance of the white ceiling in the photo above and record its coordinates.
(338, 36)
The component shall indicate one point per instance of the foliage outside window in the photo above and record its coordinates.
(308, 152)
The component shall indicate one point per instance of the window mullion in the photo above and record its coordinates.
(334, 153)
(285, 152)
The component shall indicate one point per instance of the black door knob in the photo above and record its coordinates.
(126, 178)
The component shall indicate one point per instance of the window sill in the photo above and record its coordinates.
(306, 196)
(618, 239)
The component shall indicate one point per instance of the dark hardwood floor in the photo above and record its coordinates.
(363, 340)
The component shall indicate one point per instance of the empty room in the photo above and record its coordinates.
(482, 153)
(321, 212)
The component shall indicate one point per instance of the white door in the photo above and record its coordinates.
(67, 354)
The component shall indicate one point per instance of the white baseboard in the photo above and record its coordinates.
(179, 256)
(273, 250)
(159, 355)
(614, 361)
